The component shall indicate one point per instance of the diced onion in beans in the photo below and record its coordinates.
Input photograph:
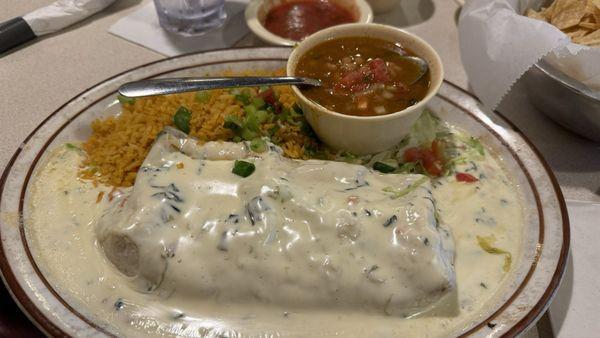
(362, 103)
(379, 110)
(387, 94)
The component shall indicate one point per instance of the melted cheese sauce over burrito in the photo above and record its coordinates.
(300, 234)
(297, 248)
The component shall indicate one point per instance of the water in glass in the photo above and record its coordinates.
(190, 17)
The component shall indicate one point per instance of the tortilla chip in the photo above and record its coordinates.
(576, 32)
(590, 6)
(549, 12)
(589, 25)
(578, 19)
(568, 13)
(536, 15)
(589, 39)
(593, 9)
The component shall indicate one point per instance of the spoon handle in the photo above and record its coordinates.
(190, 84)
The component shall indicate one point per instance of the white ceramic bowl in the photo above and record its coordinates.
(365, 134)
(257, 11)
(382, 6)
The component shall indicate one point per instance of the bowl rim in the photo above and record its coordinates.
(251, 15)
(567, 81)
(433, 88)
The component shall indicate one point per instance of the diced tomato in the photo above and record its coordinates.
(375, 71)
(376, 63)
(379, 70)
(412, 154)
(464, 177)
(269, 96)
(351, 78)
(431, 163)
(276, 107)
(431, 159)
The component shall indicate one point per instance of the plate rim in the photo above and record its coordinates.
(46, 325)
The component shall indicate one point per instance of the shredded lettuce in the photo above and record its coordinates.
(71, 146)
(486, 244)
(425, 129)
(476, 145)
(397, 193)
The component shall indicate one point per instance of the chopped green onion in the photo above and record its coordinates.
(236, 139)
(249, 109)
(232, 122)
(263, 88)
(251, 122)
(125, 99)
(248, 134)
(203, 96)
(181, 119)
(243, 96)
(258, 102)
(262, 116)
(258, 145)
(243, 168)
(383, 167)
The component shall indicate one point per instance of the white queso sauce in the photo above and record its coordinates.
(297, 248)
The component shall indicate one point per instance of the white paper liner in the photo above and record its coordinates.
(498, 45)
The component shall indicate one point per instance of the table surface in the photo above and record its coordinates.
(41, 76)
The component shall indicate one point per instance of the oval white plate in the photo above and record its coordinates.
(524, 297)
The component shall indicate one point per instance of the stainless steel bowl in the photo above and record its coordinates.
(564, 99)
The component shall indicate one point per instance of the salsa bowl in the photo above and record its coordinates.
(257, 10)
(366, 134)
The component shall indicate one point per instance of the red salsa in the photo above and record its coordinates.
(296, 20)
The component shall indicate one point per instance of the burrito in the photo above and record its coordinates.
(289, 233)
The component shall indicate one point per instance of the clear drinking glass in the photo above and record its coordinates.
(190, 17)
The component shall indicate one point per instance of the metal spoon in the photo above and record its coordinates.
(422, 64)
(190, 84)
